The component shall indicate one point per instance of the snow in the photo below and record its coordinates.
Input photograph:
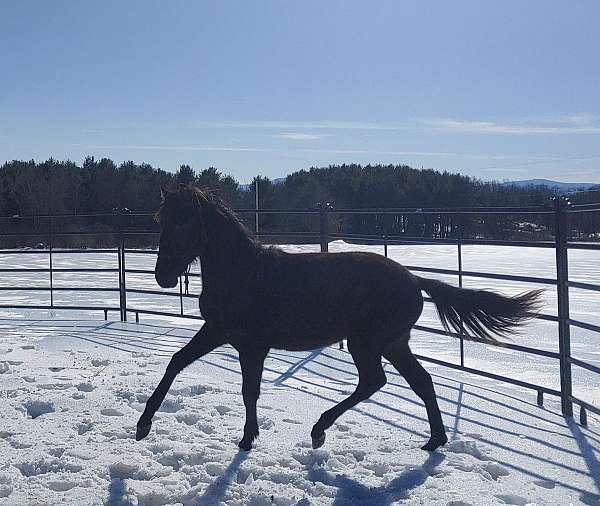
(72, 397)
(73, 387)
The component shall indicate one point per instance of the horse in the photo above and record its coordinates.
(256, 298)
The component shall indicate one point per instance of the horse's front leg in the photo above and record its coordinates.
(202, 343)
(251, 362)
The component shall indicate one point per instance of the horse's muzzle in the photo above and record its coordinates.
(165, 281)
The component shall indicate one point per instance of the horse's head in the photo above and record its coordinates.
(180, 219)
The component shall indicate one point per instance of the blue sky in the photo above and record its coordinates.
(496, 90)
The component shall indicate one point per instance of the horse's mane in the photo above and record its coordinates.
(227, 214)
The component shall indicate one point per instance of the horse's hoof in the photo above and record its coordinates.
(319, 441)
(245, 445)
(142, 431)
(435, 442)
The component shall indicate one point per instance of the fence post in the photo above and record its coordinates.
(256, 203)
(324, 225)
(50, 241)
(460, 285)
(121, 258)
(562, 279)
(123, 266)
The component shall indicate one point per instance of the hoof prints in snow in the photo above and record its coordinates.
(207, 428)
(171, 405)
(60, 486)
(19, 445)
(265, 423)
(495, 470)
(38, 408)
(193, 390)
(132, 397)
(85, 387)
(44, 466)
(467, 447)
(123, 470)
(56, 452)
(222, 410)
(514, 499)
(84, 427)
(159, 447)
(111, 412)
(6, 485)
(188, 418)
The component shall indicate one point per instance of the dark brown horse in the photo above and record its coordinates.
(257, 298)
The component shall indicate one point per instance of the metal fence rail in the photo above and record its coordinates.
(561, 244)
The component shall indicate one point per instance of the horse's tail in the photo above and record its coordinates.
(483, 313)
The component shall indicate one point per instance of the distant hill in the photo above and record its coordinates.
(557, 186)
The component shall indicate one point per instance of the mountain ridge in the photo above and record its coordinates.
(558, 186)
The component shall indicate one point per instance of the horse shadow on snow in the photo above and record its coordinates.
(353, 492)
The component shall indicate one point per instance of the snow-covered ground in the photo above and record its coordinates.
(73, 387)
(72, 391)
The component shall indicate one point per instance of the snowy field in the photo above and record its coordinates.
(73, 386)
(72, 392)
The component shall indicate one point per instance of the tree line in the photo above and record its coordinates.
(53, 187)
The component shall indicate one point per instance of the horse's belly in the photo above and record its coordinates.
(304, 333)
(310, 342)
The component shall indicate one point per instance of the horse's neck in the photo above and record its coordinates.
(227, 253)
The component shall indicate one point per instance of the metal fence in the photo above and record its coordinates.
(118, 227)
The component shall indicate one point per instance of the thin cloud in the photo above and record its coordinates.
(325, 150)
(574, 124)
(473, 156)
(173, 148)
(290, 125)
(579, 119)
(489, 127)
(378, 152)
(338, 151)
(295, 136)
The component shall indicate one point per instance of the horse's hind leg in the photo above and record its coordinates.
(370, 379)
(400, 356)
(202, 343)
